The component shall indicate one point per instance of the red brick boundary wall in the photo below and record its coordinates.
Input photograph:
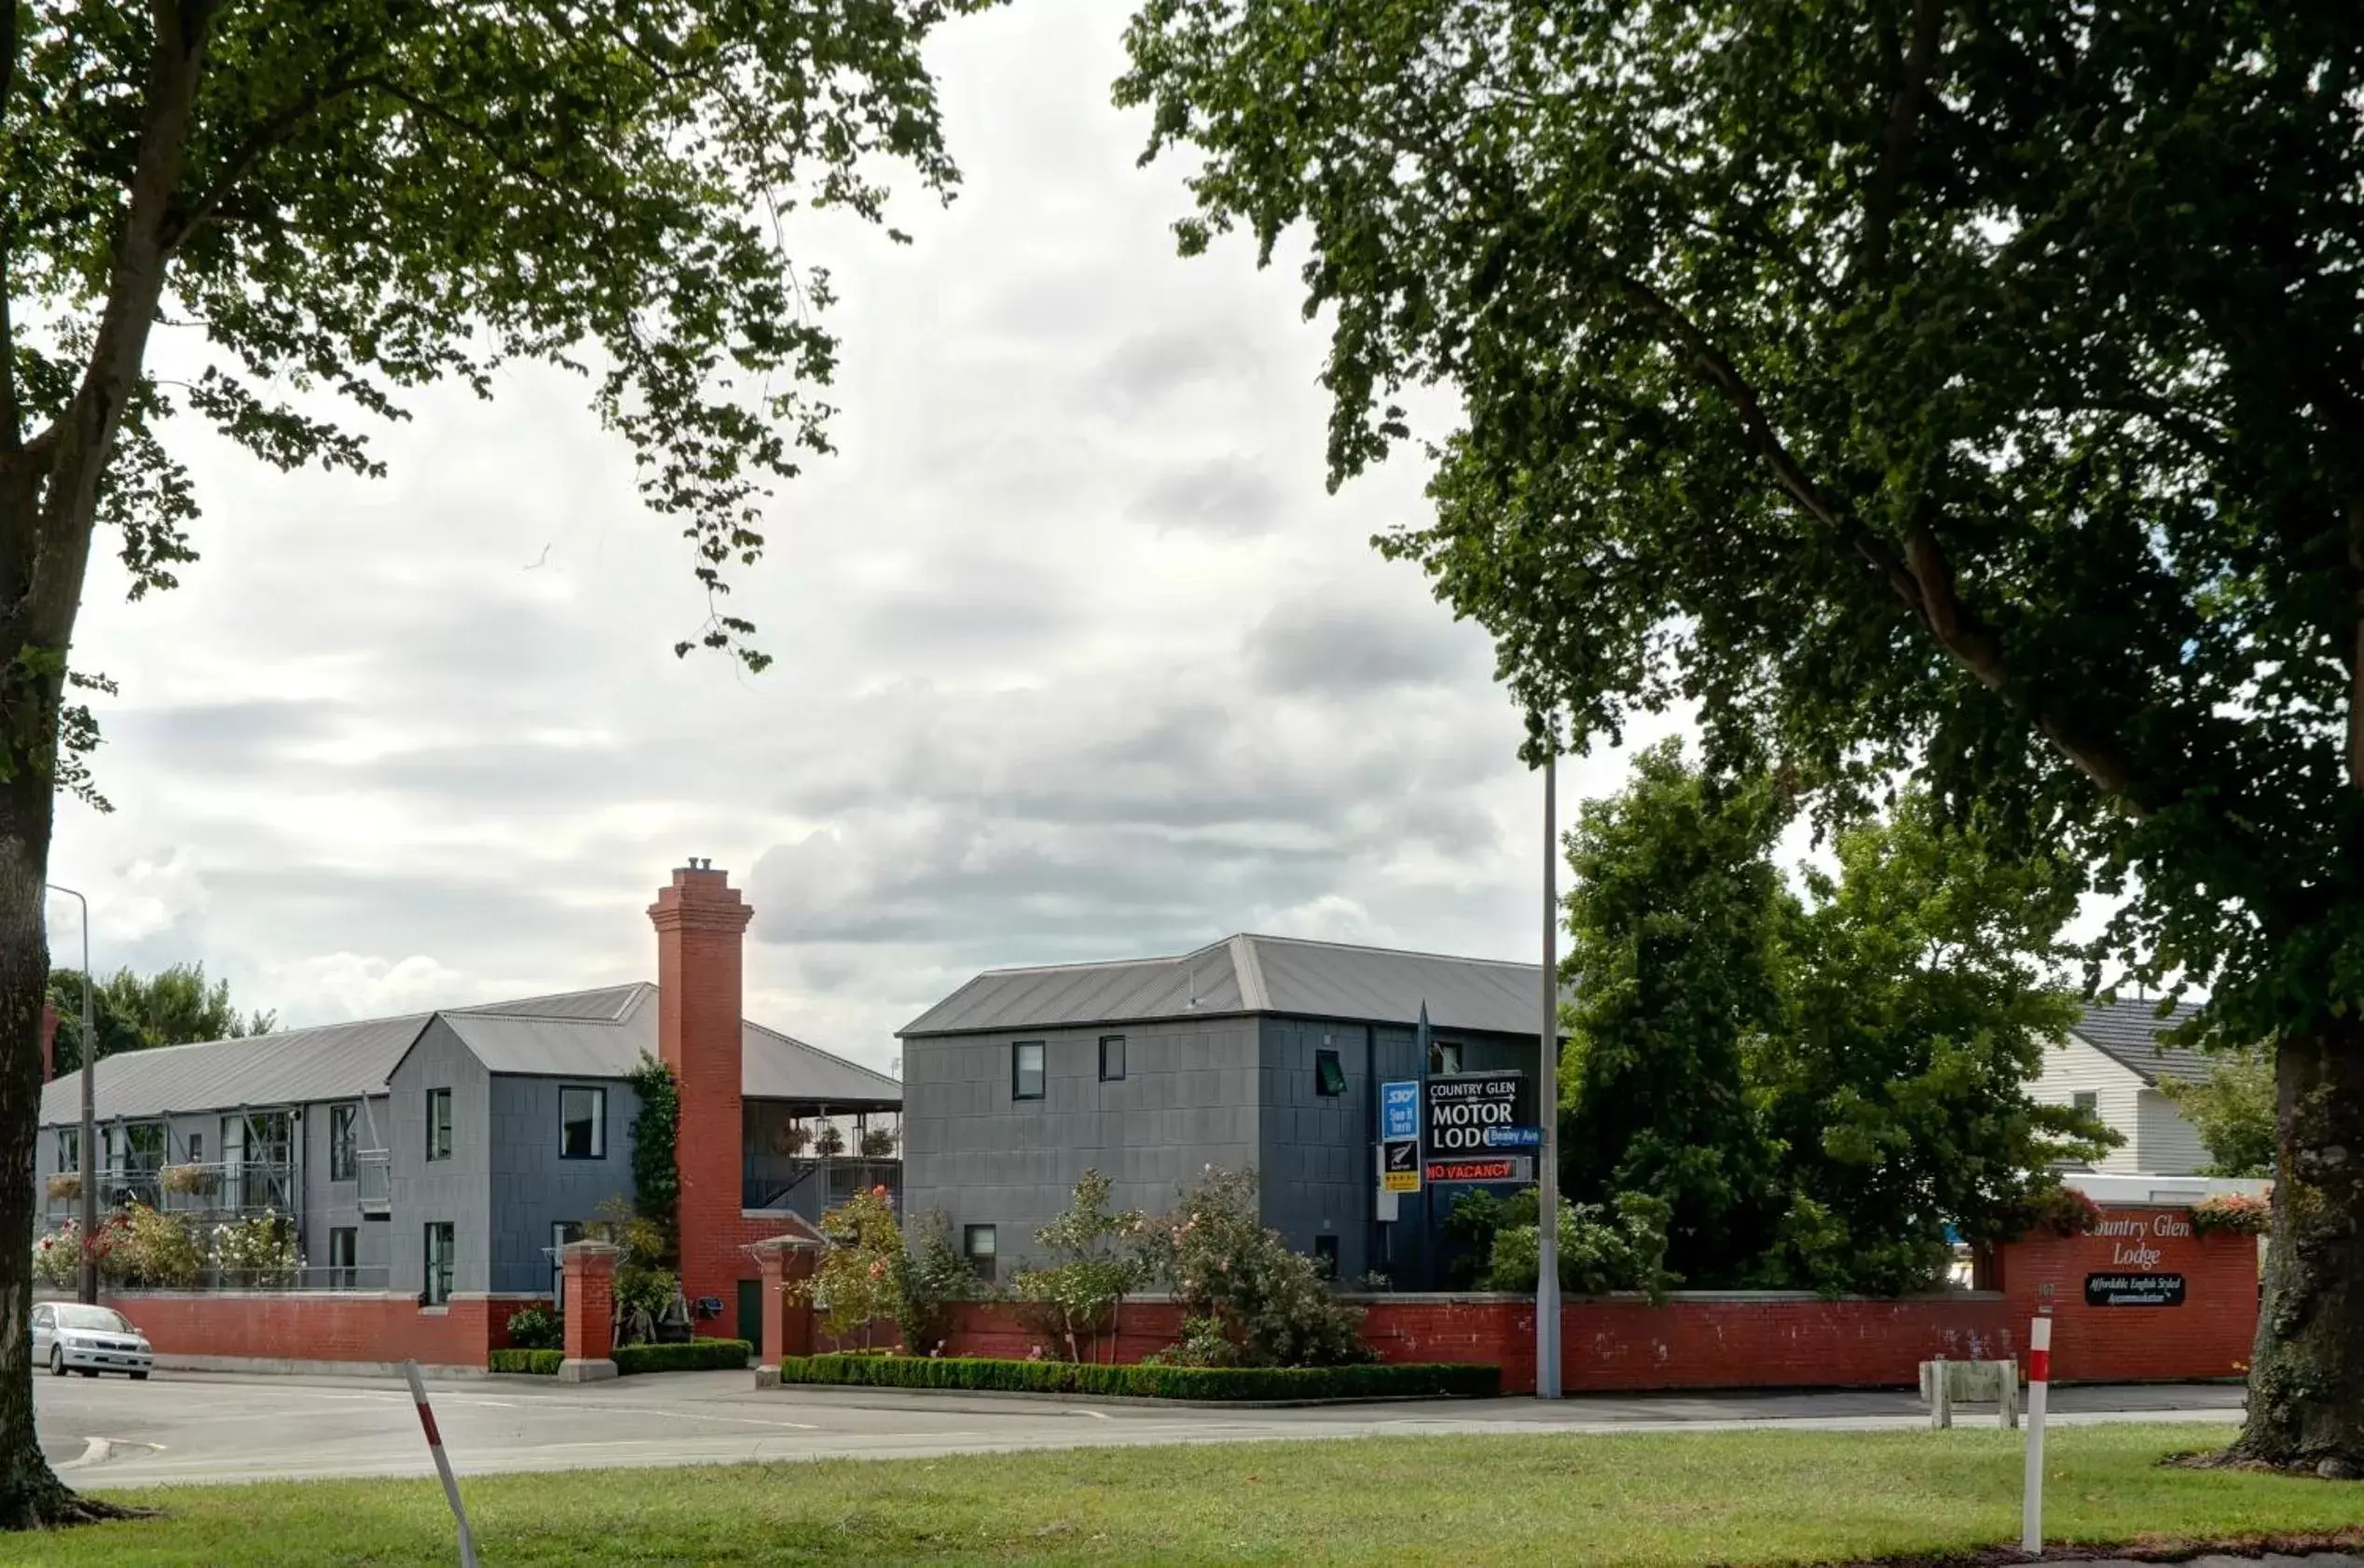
(321, 1325)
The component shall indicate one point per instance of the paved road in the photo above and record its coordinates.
(194, 1427)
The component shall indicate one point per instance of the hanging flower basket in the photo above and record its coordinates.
(2232, 1215)
(65, 1187)
(199, 1181)
(878, 1143)
(832, 1138)
(2061, 1211)
(790, 1138)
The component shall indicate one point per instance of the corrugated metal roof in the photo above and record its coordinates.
(578, 1034)
(2127, 1032)
(335, 1062)
(1249, 973)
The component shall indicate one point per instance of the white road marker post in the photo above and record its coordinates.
(443, 1464)
(2032, 1526)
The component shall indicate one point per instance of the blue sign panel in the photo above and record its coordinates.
(1400, 1110)
(1514, 1137)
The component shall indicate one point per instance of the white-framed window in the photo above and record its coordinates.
(583, 1122)
(2087, 1100)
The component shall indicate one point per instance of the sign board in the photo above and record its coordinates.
(1400, 1110)
(1463, 1108)
(2134, 1290)
(1482, 1168)
(1514, 1137)
(1399, 1165)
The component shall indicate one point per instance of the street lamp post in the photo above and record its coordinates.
(1547, 1107)
(89, 1108)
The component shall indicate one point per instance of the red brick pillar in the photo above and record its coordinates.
(788, 1325)
(589, 1269)
(49, 1042)
(700, 922)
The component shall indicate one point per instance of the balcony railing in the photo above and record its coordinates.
(803, 1190)
(374, 1181)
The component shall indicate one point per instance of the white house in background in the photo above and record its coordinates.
(2111, 1064)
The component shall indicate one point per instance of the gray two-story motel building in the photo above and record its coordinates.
(1255, 1051)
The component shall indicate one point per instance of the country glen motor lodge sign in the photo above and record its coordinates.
(2137, 1248)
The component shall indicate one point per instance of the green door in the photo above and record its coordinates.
(750, 1313)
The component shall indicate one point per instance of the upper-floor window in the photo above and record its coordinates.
(69, 1149)
(197, 1149)
(2085, 1099)
(1111, 1058)
(1329, 1073)
(583, 1124)
(1025, 1070)
(344, 1141)
(1444, 1058)
(438, 1123)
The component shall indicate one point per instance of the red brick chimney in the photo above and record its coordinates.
(700, 922)
(49, 1042)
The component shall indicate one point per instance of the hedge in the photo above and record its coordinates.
(698, 1355)
(541, 1363)
(1371, 1381)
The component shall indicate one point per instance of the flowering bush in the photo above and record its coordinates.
(196, 1180)
(65, 1187)
(860, 1279)
(257, 1254)
(1222, 1263)
(2234, 1215)
(929, 1274)
(532, 1328)
(1097, 1261)
(56, 1257)
(1204, 1344)
(2056, 1211)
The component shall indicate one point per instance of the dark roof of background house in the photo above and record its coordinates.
(576, 1034)
(1243, 975)
(2127, 1032)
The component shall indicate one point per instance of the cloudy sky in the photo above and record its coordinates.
(1076, 658)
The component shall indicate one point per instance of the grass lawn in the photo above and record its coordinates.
(1706, 1498)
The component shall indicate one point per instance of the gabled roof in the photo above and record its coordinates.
(1243, 975)
(577, 1034)
(2127, 1032)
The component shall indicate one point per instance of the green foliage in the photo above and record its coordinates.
(656, 1177)
(256, 1253)
(538, 1362)
(1204, 1344)
(532, 1328)
(864, 1276)
(1095, 1262)
(1601, 1251)
(1676, 925)
(1921, 992)
(1147, 1380)
(2232, 1109)
(2053, 1210)
(132, 1012)
(1221, 1261)
(644, 1287)
(929, 1276)
(697, 1356)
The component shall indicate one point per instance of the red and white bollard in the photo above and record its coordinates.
(442, 1465)
(2031, 1524)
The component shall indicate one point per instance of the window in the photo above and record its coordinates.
(197, 1149)
(69, 1149)
(233, 1141)
(976, 1244)
(1326, 1256)
(438, 1123)
(344, 1141)
(561, 1233)
(583, 1124)
(1329, 1074)
(2086, 1099)
(1111, 1058)
(1444, 1058)
(1025, 1070)
(440, 1247)
(343, 1242)
(45, 1317)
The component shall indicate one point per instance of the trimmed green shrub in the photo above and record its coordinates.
(540, 1363)
(698, 1355)
(1146, 1381)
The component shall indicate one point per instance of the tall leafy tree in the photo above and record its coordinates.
(1973, 390)
(350, 200)
(1924, 982)
(130, 1011)
(2232, 1108)
(1676, 917)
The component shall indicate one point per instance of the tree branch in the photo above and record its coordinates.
(2356, 657)
(1904, 114)
(259, 142)
(11, 417)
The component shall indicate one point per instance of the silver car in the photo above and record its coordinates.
(68, 1336)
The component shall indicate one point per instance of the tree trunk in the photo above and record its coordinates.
(2306, 1379)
